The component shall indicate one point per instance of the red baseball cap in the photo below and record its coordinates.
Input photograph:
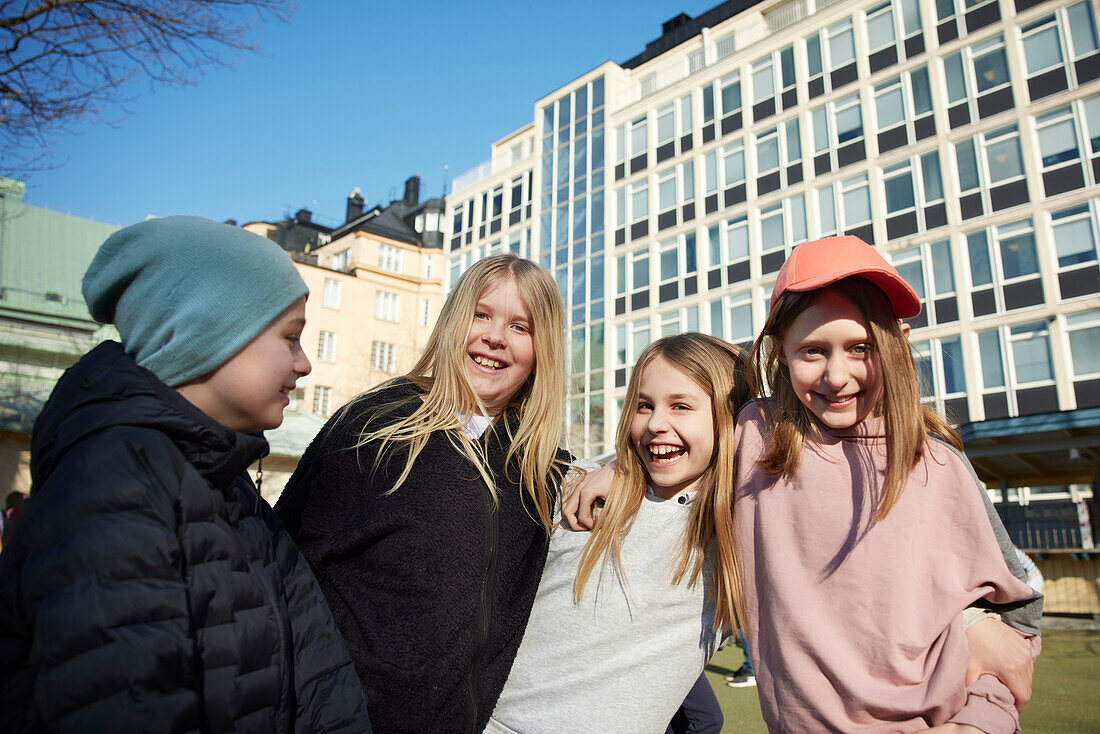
(816, 264)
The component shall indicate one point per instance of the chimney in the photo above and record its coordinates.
(673, 23)
(412, 191)
(355, 205)
(303, 215)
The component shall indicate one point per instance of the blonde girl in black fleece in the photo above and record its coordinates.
(424, 505)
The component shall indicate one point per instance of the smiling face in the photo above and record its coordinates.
(249, 391)
(500, 349)
(835, 370)
(672, 431)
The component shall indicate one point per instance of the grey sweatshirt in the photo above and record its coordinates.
(624, 658)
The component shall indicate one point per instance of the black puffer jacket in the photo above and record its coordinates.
(148, 587)
(430, 585)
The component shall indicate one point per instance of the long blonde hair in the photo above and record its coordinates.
(533, 417)
(907, 422)
(719, 368)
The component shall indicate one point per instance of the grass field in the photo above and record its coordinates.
(1066, 697)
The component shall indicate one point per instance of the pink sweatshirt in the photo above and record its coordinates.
(854, 625)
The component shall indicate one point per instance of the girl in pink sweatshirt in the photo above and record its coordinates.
(863, 530)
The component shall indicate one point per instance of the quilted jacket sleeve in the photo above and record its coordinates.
(327, 689)
(94, 622)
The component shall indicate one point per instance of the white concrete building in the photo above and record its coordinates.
(961, 137)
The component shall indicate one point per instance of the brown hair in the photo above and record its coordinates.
(719, 368)
(908, 423)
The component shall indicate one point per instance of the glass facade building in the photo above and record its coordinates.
(960, 137)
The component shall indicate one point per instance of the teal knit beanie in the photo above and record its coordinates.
(186, 293)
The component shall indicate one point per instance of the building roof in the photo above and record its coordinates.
(43, 256)
(294, 435)
(1036, 450)
(394, 221)
(679, 29)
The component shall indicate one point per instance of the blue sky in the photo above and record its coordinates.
(348, 94)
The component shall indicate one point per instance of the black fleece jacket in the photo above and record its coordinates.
(148, 587)
(431, 584)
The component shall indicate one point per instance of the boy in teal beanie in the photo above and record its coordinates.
(148, 586)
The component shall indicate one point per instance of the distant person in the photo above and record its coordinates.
(148, 587)
(743, 677)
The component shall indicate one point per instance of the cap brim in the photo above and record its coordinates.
(903, 298)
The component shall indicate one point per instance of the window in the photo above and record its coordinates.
(773, 78)
(387, 306)
(455, 270)
(725, 46)
(728, 245)
(838, 134)
(831, 50)
(782, 226)
(1016, 369)
(633, 280)
(322, 401)
(928, 268)
(330, 293)
(675, 194)
(674, 122)
(991, 172)
(631, 144)
(492, 208)
(1004, 268)
(696, 60)
(885, 25)
(731, 318)
(383, 357)
(732, 161)
(341, 260)
(1083, 330)
(326, 347)
(914, 195)
(978, 84)
(1060, 151)
(632, 206)
(942, 378)
(648, 85)
(1074, 231)
(679, 321)
(677, 266)
(845, 208)
(428, 266)
(1060, 50)
(723, 97)
(630, 340)
(389, 258)
(976, 14)
(778, 157)
(903, 110)
(425, 312)
(520, 192)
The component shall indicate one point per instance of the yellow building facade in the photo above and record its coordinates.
(373, 301)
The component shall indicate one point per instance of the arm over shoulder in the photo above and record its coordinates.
(1025, 614)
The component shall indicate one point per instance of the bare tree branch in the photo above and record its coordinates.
(63, 61)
